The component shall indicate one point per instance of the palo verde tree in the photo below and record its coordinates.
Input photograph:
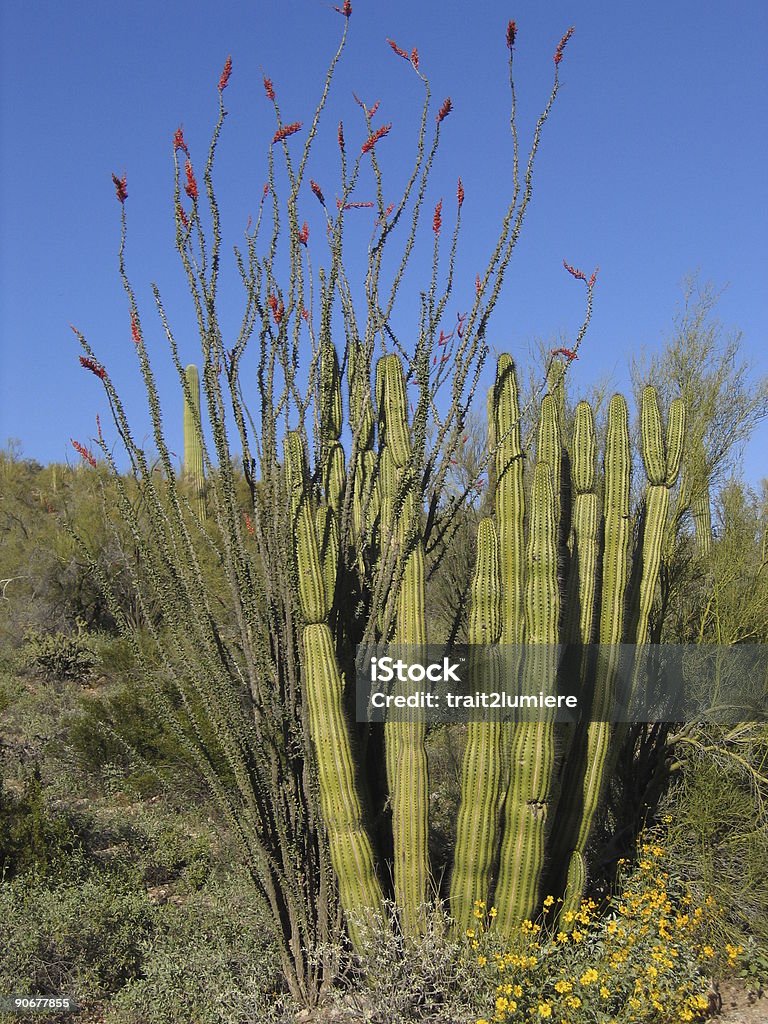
(320, 486)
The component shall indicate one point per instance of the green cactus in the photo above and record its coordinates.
(193, 449)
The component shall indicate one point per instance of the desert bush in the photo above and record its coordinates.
(81, 938)
(212, 960)
(60, 657)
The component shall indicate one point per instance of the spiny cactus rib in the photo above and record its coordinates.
(675, 440)
(328, 540)
(334, 475)
(193, 449)
(651, 432)
(351, 852)
(482, 771)
(574, 886)
(584, 774)
(393, 409)
(405, 754)
(532, 744)
(510, 500)
(578, 619)
(330, 393)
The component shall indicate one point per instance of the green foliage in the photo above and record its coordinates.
(60, 657)
(212, 961)
(82, 938)
(33, 838)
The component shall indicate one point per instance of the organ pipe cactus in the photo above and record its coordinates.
(549, 569)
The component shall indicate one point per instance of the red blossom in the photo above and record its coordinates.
(191, 186)
(286, 131)
(249, 524)
(371, 141)
(98, 428)
(83, 451)
(277, 307)
(269, 88)
(353, 206)
(90, 364)
(265, 191)
(341, 136)
(593, 277)
(121, 187)
(445, 110)
(182, 216)
(389, 209)
(437, 220)
(575, 272)
(400, 52)
(346, 10)
(305, 315)
(478, 283)
(178, 141)
(135, 329)
(568, 354)
(511, 34)
(415, 58)
(561, 45)
(226, 72)
(303, 234)
(460, 193)
(461, 319)
(317, 191)
(374, 108)
(444, 338)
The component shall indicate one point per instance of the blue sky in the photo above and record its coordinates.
(652, 166)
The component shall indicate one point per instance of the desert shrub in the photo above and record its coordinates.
(212, 961)
(80, 938)
(58, 657)
(642, 957)
(718, 837)
(33, 837)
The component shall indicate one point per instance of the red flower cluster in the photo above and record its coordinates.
(371, 141)
(93, 366)
(445, 110)
(317, 191)
(511, 34)
(82, 450)
(303, 234)
(135, 329)
(286, 131)
(226, 72)
(346, 10)
(568, 354)
(561, 45)
(278, 309)
(121, 187)
(249, 524)
(413, 56)
(437, 220)
(575, 272)
(460, 194)
(269, 89)
(593, 277)
(191, 186)
(178, 141)
(341, 136)
(183, 217)
(305, 315)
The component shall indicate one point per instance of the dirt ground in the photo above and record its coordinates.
(739, 1007)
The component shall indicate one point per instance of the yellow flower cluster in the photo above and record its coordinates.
(636, 957)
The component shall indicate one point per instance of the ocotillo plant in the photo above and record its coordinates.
(193, 451)
(323, 513)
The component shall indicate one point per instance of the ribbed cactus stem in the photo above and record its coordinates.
(510, 499)
(532, 744)
(316, 559)
(585, 772)
(406, 753)
(193, 447)
(350, 847)
(579, 614)
(482, 770)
